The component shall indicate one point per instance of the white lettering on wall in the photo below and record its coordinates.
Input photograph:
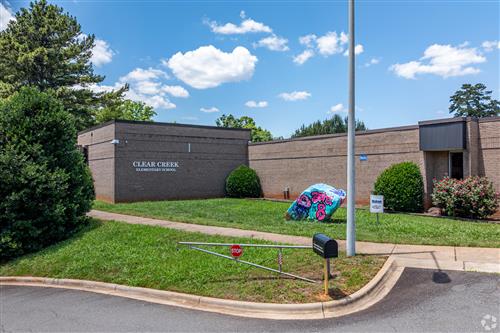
(155, 166)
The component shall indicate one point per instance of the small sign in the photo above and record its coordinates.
(236, 250)
(155, 166)
(376, 203)
(363, 157)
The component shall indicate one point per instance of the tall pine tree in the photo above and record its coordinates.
(45, 48)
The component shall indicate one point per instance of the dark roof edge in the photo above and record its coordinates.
(444, 120)
(327, 136)
(93, 128)
(487, 119)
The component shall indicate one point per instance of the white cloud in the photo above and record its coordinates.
(208, 67)
(295, 96)
(6, 15)
(101, 53)
(273, 43)
(209, 110)
(176, 91)
(254, 104)
(141, 74)
(331, 43)
(303, 57)
(373, 61)
(358, 49)
(308, 40)
(146, 85)
(156, 101)
(337, 108)
(246, 26)
(490, 45)
(243, 14)
(442, 60)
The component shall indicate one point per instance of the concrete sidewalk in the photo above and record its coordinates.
(419, 256)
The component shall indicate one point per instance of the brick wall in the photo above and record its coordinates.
(489, 154)
(298, 163)
(101, 159)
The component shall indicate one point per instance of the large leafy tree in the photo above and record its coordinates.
(45, 48)
(473, 101)
(127, 110)
(335, 124)
(258, 134)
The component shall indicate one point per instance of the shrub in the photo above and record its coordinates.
(402, 187)
(45, 186)
(472, 197)
(243, 182)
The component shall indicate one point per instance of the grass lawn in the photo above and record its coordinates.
(267, 216)
(148, 256)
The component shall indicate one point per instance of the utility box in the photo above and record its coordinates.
(325, 246)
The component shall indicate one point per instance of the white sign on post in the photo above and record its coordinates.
(376, 203)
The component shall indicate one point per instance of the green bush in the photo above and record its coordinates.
(243, 182)
(45, 186)
(402, 187)
(473, 197)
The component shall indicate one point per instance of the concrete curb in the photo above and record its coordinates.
(370, 294)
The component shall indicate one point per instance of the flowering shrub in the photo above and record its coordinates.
(472, 197)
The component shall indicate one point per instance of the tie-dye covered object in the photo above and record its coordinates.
(318, 202)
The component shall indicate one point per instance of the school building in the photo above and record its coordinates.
(135, 161)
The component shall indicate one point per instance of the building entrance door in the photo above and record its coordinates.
(457, 165)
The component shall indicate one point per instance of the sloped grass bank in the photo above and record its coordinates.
(263, 215)
(146, 256)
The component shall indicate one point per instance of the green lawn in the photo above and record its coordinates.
(148, 256)
(264, 215)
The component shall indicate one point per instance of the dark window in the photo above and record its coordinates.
(457, 165)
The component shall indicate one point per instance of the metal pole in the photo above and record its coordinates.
(249, 245)
(326, 278)
(351, 171)
(252, 264)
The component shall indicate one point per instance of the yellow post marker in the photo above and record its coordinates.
(326, 278)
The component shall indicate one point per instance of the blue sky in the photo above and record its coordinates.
(282, 63)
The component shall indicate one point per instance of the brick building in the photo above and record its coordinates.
(134, 161)
(458, 147)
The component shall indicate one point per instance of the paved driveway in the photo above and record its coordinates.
(422, 301)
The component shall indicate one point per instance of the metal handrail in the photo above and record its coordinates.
(250, 245)
(194, 246)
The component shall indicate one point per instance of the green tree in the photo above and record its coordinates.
(258, 134)
(473, 101)
(336, 124)
(45, 48)
(126, 110)
(45, 186)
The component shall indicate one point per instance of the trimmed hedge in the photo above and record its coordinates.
(45, 186)
(402, 186)
(243, 182)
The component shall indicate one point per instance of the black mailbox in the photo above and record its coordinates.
(325, 246)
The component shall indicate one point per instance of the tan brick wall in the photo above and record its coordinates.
(489, 154)
(101, 160)
(299, 163)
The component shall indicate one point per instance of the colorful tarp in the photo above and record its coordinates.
(318, 202)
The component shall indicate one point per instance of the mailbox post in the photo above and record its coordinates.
(326, 248)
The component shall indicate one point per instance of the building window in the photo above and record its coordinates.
(457, 165)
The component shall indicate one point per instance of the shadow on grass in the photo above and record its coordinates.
(89, 225)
